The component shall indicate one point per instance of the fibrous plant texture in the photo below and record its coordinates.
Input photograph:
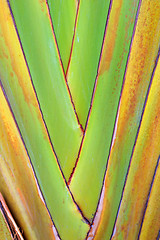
(80, 119)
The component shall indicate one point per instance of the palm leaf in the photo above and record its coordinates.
(79, 119)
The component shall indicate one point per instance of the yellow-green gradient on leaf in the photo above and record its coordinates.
(97, 140)
(39, 46)
(143, 164)
(144, 51)
(151, 223)
(17, 181)
(79, 119)
(17, 84)
(83, 65)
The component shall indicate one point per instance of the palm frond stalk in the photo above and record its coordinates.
(79, 119)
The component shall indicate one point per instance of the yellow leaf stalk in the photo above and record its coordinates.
(17, 180)
(141, 62)
(142, 167)
(151, 222)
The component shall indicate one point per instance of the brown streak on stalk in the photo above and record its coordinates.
(109, 50)
(135, 142)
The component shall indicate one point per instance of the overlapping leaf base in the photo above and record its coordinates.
(80, 119)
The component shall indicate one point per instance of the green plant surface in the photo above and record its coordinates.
(16, 79)
(42, 57)
(17, 182)
(152, 213)
(142, 167)
(95, 149)
(141, 63)
(4, 231)
(63, 14)
(85, 54)
(79, 119)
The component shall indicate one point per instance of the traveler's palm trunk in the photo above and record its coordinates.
(79, 119)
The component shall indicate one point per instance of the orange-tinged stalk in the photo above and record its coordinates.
(96, 143)
(38, 43)
(13, 59)
(110, 38)
(151, 222)
(141, 62)
(142, 167)
(135, 144)
(24, 105)
(17, 180)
